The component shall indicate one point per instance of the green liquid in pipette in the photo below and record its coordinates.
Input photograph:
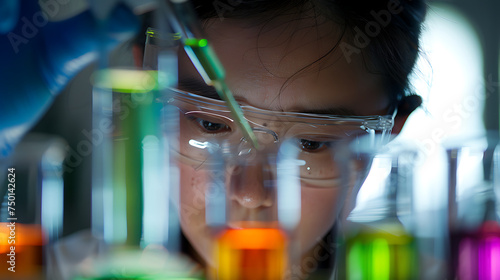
(208, 62)
(381, 254)
(210, 68)
(212, 71)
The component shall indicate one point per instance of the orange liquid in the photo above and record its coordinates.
(28, 252)
(254, 253)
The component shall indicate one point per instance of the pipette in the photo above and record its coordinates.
(201, 54)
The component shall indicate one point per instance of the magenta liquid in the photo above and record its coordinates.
(476, 255)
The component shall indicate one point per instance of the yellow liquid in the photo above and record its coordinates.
(382, 254)
(253, 253)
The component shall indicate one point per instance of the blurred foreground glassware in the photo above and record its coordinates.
(252, 196)
(253, 202)
(218, 160)
(243, 212)
(135, 215)
(379, 237)
(213, 149)
(473, 207)
(31, 213)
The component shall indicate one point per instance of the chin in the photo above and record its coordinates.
(201, 240)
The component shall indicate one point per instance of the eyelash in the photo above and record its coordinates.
(300, 142)
(322, 145)
(199, 123)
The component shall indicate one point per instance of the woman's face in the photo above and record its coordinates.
(270, 66)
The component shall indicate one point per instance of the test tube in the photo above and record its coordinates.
(257, 245)
(31, 215)
(474, 224)
(379, 234)
(135, 213)
(253, 205)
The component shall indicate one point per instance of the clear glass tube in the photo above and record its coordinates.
(31, 215)
(252, 207)
(134, 201)
(380, 240)
(474, 229)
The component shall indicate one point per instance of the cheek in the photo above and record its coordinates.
(319, 212)
(192, 209)
(192, 189)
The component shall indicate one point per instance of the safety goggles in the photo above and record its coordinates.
(207, 128)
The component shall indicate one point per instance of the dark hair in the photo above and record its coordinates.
(391, 53)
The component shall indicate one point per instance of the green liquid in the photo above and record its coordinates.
(205, 60)
(136, 264)
(382, 254)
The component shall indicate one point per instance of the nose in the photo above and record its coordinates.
(250, 186)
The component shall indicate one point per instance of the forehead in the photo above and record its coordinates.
(291, 64)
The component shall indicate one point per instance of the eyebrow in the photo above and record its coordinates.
(336, 111)
(198, 87)
(201, 88)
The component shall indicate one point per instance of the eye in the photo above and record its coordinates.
(212, 127)
(312, 146)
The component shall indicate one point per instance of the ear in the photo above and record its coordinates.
(406, 106)
(138, 54)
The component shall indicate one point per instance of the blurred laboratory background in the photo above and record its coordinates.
(457, 76)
